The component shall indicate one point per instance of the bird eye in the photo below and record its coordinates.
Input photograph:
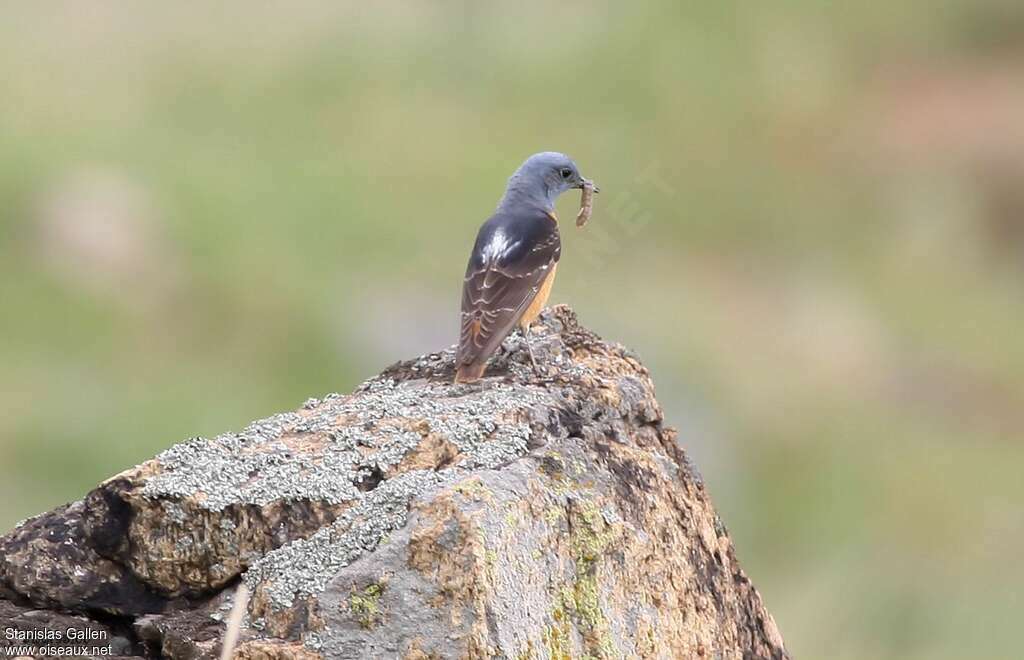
(566, 173)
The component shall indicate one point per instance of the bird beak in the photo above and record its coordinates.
(585, 181)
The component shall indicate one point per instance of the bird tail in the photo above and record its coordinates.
(468, 373)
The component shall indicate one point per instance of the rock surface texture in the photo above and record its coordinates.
(524, 516)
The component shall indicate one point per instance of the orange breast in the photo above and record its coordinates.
(533, 311)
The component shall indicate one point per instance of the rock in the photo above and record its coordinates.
(525, 516)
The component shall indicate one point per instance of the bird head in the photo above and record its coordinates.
(543, 177)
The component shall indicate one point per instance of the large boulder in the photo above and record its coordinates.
(535, 514)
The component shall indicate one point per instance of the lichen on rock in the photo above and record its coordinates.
(365, 605)
(529, 515)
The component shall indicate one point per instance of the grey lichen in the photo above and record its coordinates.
(489, 427)
(252, 466)
(331, 474)
(259, 465)
(302, 568)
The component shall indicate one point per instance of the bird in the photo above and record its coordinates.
(512, 265)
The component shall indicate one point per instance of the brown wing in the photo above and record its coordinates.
(511, 259)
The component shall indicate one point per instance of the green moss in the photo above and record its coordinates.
(365, 605)
(474, 489)
(589, 538)
(558, 636)
(586, 602)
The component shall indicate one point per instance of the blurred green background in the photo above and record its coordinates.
(812, 229)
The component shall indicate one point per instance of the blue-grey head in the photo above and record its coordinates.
(541, 179)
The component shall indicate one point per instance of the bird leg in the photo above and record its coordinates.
(529, 349)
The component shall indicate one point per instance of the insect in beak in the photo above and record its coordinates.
(587, 182)
(586, 202)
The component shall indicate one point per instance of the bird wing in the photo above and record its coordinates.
(509, 263)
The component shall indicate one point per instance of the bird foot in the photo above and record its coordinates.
(533, 359)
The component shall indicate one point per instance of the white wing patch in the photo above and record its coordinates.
(497, 246)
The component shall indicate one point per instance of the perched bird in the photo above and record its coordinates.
(512, 265)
